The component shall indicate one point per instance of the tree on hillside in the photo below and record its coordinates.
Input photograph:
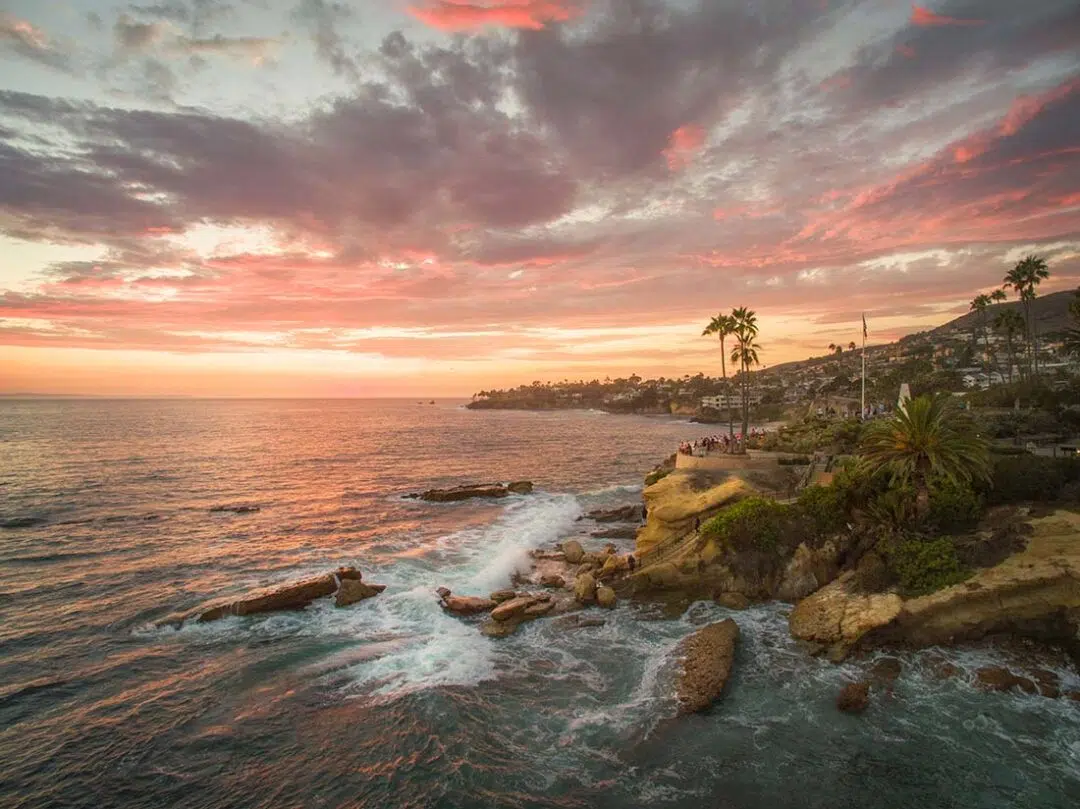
(928, 438)
(1025, 277)
(851, 346)
(745, 353)
(1009, 323)
(723, 326)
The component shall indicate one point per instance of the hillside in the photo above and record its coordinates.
(1051, 314)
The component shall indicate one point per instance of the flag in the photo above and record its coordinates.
(864, 326)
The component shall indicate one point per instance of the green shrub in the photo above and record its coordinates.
(1021, 478)
(824, 508)
(953, 506)
(923, 566)
(656, 475)
(756, 523)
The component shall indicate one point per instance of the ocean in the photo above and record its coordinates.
(108, 523)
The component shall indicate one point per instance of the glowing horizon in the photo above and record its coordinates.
(430, 198)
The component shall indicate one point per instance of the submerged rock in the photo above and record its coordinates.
(733, 601)
(999, 678)
(234, 509)
(628, 513)
(578, 621)
(853, 697)
(353, 590)
(706, 665)
(616, 533)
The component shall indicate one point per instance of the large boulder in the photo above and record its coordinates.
(836, 616)
(514, 608)
(605, 597)
(707, 659)
(500, 596)
(573, 551)
(613, 566)
(292, 596)
(552, 580)
(353, 590)
(585, 588)
(733, 601)
(807, 570)
(464, 605)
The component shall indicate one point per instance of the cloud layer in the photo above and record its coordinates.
(552, 168)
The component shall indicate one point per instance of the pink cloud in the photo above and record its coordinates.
(683, 144)
(926, 18)
(461, 15)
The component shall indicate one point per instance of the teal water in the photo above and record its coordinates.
(105, 508)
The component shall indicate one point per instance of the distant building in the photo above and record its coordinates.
(725, 401)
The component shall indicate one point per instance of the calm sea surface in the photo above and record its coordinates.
(106, 526)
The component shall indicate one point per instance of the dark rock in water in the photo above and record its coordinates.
(616, 533)
(884, 672)
(344, 573)
(22, 522)
(1048, 682)
(578, 621)
(708, 656)
(239, 509)
(489, 490)
(467, 605)
(353, 590)
(585, 589)
(630, 513)
(999, 678)
(605, 597)
(854, 697)
(552, 580)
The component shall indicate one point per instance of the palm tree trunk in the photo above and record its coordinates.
(727, 387)
(1028, 328)
(922, 502)
(745, 404)
(1009, 353)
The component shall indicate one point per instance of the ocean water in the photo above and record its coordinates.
(105, 508)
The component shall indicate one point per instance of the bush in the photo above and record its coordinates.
(1025, 478)
(953, 506)
(656, 475)
(756, 523)
(924, 566)
(824, 508)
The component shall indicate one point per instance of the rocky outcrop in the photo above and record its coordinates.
(509, 615)
(706, 665)
(629, 532)
(503, 595)
(468, 491)
(352, 590)
(677, 504)
(552, 580)
(807, 570)
(515, 607)
(605, 597)
(630, 513)
(464, 605)
(291, 596)
(733, 601)
(1035, 592)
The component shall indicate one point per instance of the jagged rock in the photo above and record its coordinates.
(733, 601)
(605, 597)
(853, 697)
(573, 551)
(513, 608)
(539, 608)
(613, 566)
(706, 665)
(344, 573)
(467, 605)
(615, 533)
(999, 678)
(552, 580)
(500, 596)
(353, 590)
(585, 588)
(807, 570)
(629, 513)
(457, 493)
(442, 592)
(292, 596)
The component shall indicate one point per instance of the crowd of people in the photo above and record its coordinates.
(720, 444)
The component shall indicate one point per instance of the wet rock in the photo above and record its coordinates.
(614, 565)
(884, 673)
(593, 558)
(579, 621)
(605, 597)
(539, 608)
(466, 605)
(628, 513)
(344, 573)
(573, 551)
(807, 570)
(552, 580)
(616, 533)
(1048, 682)
(585, 588)
(500, 629)
(853, 697)
(610, 548)
(733, 601)
(999, 678)
(471, 490)
(353, 590)
(707, 659)
(500, 596)
(1073, 695)
(514, 608)
(838, 615)
(293, 596)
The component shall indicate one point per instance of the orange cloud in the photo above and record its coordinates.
(683, 143)
(926, 18)
(1026, 108)
(460, 15)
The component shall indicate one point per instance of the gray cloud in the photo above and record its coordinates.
(323, 18)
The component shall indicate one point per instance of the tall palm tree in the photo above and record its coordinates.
(1009, 323)
(851, 346)
(723, 326)
(1029, 272)
(745, 353)
(927, 438)
(979, 305)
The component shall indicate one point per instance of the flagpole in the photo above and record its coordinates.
(862, 412)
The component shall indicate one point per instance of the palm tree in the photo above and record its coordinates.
(745, 353)
(723, 326)
(851, 346)
(833, 347)
(979, 304)
(1028, 273)
(927, 438)
(1011, 324)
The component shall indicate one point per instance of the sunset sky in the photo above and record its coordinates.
(429, 197)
